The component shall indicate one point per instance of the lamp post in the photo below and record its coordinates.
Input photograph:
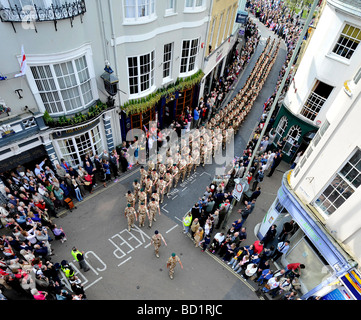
(110, 83)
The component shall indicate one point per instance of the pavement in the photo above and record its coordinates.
(123, 265)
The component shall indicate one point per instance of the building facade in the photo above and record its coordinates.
(61, 107)
(222, 37)
(331, 51)
(322, 196)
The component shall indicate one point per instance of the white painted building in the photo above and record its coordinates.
(332, 56)
(322, 193)
(148, 44)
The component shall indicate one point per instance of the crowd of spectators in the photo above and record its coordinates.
(34, 199)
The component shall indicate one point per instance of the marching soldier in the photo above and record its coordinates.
(130, 214)
(169, 162)
(142, 197)
(190, 165)
(175, 174)
(183, 168)
(156, 240)
(153, 207)
(162, 169)
(161, 188)
(143, 176)
(136, 189)
(155, 196)
(204, 151)
(142, 212)
(151, 166)
(130, 198)
(154, 177)
(171, 264)
(148, 186)
(169, 180)
(195, 156)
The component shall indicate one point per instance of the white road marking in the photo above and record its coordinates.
(124, 261)
(172, 228)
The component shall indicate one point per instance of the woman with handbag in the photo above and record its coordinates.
(88, 182)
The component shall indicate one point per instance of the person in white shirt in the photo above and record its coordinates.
(39, 167)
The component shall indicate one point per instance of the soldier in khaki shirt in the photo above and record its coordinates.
(154, 177)
(162, 170)
(161, 188)
(171, 264)
(130, 198)
(190, 165)
(169, 180)
(143, 176)
(175, 174)
(130, 214)
(142, 213)
(151, 166)
(136, 189)
(153, 208)
(155, 195)
(142, 197)
(183, 168)
(156, 240)
(148, 186)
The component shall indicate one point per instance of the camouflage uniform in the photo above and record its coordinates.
(130, 213)
(142, 197)
(153, 207)
(142, 212)
(136, 187)
(143, 176)
(130, 199)
(190, 165)
(169, 180)
(171, 264)
(183, 168)
(176, 175)
(161, 189)
(157, 242)
(148, 186)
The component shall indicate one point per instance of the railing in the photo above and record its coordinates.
(35, 13)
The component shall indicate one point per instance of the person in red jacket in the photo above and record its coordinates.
(258, 246)
(295, 268)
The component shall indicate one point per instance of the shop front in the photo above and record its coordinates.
(310, 244)
(72, 144)
(168, 109)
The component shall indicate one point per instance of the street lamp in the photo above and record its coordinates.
(110, 83)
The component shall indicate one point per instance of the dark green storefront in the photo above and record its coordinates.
(298, 133)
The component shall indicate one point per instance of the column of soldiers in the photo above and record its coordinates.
(196, 147)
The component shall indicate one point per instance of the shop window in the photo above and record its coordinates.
(281, 128)
(184, 101)
(75, 148)
(294, 134)
(139, 120)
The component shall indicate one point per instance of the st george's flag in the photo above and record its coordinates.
(23, 64)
